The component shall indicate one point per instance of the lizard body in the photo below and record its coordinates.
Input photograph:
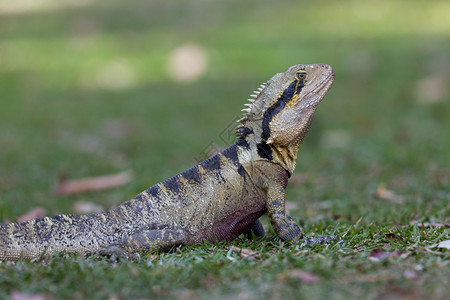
(217, 199)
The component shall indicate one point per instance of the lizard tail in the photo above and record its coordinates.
(38, 237)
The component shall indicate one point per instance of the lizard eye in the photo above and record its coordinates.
(301, 75)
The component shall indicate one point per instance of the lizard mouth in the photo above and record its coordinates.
(326, 83)
(314, 96)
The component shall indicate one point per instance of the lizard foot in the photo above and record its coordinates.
(321, 240)
(114, 253)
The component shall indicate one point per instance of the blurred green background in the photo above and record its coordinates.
(97, 87)
(90, 87)
(87, 87)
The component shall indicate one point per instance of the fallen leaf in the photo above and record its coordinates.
(290, 206)
(336, 216)
(245, 252)
(152, 257)
(301, 252)
(426, 224)
(417, 248)
(116, 75)
(208, 280)
(336, 138)
(383, 193)
(15, 295)
(368, 278)
(305, 277)
(86, 207)
(443, 245)
(187, 62)
(431, 89)
(395, 253)
(410, 274)
(72, 187)
(442, 175)
(379, 254)
(392, 236)
(117, 128)
(298, 179)
(35, 213)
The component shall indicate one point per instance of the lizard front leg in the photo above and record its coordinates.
(284, 225)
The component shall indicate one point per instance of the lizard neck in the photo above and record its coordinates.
(253, 148)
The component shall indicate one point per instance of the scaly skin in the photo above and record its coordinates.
(218, 199)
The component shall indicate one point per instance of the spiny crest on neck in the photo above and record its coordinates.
(251, 109)
(250, 128)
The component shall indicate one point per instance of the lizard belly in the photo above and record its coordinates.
(230, 226)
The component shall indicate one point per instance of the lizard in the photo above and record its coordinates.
(217, 199)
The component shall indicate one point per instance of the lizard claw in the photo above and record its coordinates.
(321, 240)
(114, 253)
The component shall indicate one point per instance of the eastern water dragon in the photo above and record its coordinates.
(218, 199)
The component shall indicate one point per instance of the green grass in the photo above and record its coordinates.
(385, 122)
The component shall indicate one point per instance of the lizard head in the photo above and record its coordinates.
(280, 111)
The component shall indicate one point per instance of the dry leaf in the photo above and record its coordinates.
(15, 295)
(442, 175)
(336, 216)
(392, 236)
(378, 254)
(188, 62)
(152, 257)
(117, 128)
(426, 224)
(431, 89)
(208, 280)
(336, 138)
(290, 206)
(245, 252)
(301, 252)
(72, 187)
(305, 277)
(442, 245)
(383, 193)
(116, 75)
(298, 178)
(82, 207)
(383, 276)
(35, 213)
(410, 274)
